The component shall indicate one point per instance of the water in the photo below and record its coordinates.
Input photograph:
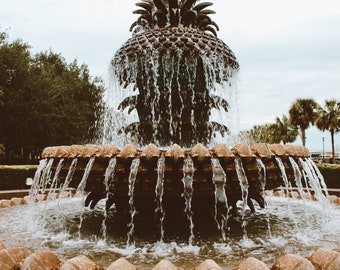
(132, 178)
(108, 177)
(297, 176)
(313, 180)
(69, 176)
(158, 96)
(159, 190)
(283, 173)
(221, 203)
(36, 228)
(56, 180)
(243, 180)
(188, 177)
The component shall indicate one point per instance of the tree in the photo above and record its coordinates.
(302, 113)
(46, 101)
(328, 118)
(280, 131)
(263, 134)
(283, 130)
(14, 68)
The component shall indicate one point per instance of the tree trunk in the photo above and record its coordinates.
(303, 136)
(333, 150)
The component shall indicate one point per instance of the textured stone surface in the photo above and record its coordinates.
(121, 264)
(332, 198)
(2, 245)
(42, 260)
(79, 263)
(17, 201)
(5, 203)
(292, 262)
(253, 264)
(326, 259)
(208, 265)
(165, 265)
(11, 258)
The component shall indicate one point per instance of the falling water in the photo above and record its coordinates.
(219, 179)
(313, 180)
(319, 175)
(242, 177)
(132, 178)
(55, 181)
(108, 177)
(159, 190)
(82, 184)
(38, 177)
(283, 173)
(188, 177)
(262, 173)
(81, 188)
(263, 180)
(297, 176)
(179, 72)
(69, 177)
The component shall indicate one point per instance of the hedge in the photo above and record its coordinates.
(14, 177)
(331, 173)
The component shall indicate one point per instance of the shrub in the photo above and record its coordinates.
(14, 177)
(331, 173)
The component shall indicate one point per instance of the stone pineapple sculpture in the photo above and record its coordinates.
(174, 61)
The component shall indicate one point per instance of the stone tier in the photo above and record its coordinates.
(21, 258)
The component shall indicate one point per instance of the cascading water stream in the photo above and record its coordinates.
(82, 184)
(108, 177)
(243, 180)
(37, 179)
(221, 203)
(132, 178)
(54, 184)
(263, 180)
(297, 177)
(319, 175)
(159, 190)
(81, 189)
(314, 181)
(69, 177)
(283, 174)
(262, 173)
(188, 178)
(46, 176)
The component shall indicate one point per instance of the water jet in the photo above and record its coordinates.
(157, 185)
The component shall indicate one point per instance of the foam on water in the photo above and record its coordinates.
(53, 225)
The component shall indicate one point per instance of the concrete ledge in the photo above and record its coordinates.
(19, 256)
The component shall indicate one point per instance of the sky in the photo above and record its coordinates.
(287, 49)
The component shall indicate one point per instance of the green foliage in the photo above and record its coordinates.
(280, 131)
(302, 113)
(14, 177)
(45, 101)
(328, 118)
(331, 174)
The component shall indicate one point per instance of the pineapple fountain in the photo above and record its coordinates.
(160, 170)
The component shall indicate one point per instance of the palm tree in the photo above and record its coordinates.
(174, 61)
(329, 119)
(283, 130)
(302, 113)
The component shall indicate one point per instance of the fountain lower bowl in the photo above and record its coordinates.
(68, 229)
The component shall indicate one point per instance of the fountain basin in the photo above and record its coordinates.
(173, 170)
